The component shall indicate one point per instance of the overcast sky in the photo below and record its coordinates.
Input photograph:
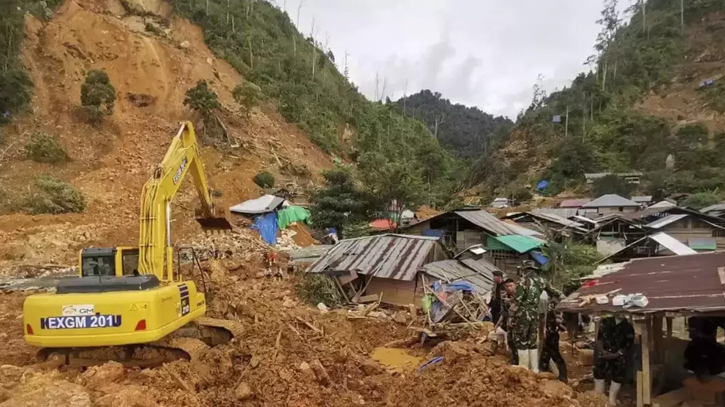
(485, 53)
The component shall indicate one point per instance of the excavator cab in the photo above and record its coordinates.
(109, 262)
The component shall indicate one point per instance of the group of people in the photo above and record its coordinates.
(518, 309)
(517, 315)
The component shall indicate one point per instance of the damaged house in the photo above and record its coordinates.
(394, 268)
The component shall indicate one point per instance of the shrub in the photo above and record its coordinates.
(317, 288)
(98, 96)
(43, 148)
(701, 200)
(53, 196)
(201, 98)
(264, 179)
(248, 95)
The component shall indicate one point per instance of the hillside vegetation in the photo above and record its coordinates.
(262, 43)
(464, 131)
(659, 55)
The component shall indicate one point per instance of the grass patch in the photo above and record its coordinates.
(54, 196)
(43, 148)
(716, 96)
(264, 179)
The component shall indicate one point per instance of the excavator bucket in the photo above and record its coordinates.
(214, 223)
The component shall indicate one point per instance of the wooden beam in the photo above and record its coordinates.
(669, 327)
(639, 389)
(646, 327)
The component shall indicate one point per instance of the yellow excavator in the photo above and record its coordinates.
(128, 304)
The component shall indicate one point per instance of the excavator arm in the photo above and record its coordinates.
(155, 249)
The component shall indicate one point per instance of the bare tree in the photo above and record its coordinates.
(405, 96)
(294, 37)
(377, 85)
(314, 48)
(439, 119)
(347, 68)
(385, 85)
(682, 16)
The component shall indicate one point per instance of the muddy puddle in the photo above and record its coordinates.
(398, 359)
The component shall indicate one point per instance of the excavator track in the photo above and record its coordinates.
(187, 343)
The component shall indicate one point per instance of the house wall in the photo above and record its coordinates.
(690, 227)
(507, 261)
(606, 211)
(397, 292)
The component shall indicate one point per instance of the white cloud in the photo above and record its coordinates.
(486, 53)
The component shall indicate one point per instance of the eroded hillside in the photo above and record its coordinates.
(151, 69)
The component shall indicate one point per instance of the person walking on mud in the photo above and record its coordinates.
(504, 321)
(525, 315)
(550, 351)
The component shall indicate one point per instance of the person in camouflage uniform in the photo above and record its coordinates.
(505, 319)
(615, 338)
(554, 325)
(525, 317)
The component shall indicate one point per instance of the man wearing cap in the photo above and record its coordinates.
(525, 315)
(615, 338)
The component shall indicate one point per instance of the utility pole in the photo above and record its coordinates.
(566, 121)
(682, 16)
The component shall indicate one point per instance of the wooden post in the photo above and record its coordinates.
(669, 327)
(639, 389)
(657, 339)
(645, 328)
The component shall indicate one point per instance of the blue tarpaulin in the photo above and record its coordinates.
(539, 258)
(556, 118)
(433, 232)
(541, 185)
(266, 225)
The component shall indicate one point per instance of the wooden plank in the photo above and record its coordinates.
(646, 372)
(671, 399)
(368, 298)
(639, 389)
(348, 278)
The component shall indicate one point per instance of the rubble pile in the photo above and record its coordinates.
(290, 354)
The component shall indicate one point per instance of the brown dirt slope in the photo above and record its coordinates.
(151, 74)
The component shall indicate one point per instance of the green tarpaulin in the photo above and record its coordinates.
(520, 244)
(290, 215)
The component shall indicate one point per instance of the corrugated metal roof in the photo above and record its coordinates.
(717, 207)
(662, 205)
(494, 225)
(477, 272)
(564, 213)
(574, 203)
(392, 256)
(691, 283)
(308, 254)
(263, 204)
(642, 199)
(521, 244)
(610, 201)
(660, 223)
(555, 218)
(672, 244)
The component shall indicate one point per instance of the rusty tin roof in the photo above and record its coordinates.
(690, 283)
(386, 256)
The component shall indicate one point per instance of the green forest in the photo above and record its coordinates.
(602, 132)
(465, 131)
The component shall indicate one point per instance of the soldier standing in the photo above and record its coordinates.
(525, 315)
(616, 337)
(504, 321)
(550, 351)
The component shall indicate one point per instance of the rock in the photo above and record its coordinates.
(10, 373)
(255, 361)
(320, 372)
(400, 317)
(210, 61)
(185, 44)
(42, 392)
(99, 376)
(307, 371)
(285, 375)
(126, 396)
(243, 391)
(377, 314)
(289, 303)
(323, 308)
(557, 389)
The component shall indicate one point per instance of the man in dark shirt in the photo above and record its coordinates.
(495, 304)
(616, 337)
(703, 353)
(551, 351)
(504, 321)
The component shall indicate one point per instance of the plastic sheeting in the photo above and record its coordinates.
(266, 225)
(290, 215)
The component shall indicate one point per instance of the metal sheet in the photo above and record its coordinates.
(495, 225)
(392, 256)
(691, 283)
(611, 201)
(477, 272)
(660, 223)
(674, 245)
(263, 204)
